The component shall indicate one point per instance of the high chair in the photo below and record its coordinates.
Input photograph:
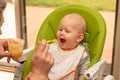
(94, 37)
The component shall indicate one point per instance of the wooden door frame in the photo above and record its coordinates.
(116, 46)
(20, 16)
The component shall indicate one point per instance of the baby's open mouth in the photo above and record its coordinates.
(62, 40)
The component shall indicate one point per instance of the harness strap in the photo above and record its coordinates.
(75, 70)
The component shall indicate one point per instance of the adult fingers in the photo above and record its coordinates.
(7, 55)
(40, 50)
(50, 59)
(8, 60)
(41, 46)
(45, 52)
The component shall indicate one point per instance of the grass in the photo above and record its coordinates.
(108, 5)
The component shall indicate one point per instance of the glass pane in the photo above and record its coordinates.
(9, 26)
(38, 10)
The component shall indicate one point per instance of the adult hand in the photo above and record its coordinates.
(3, 48)
(42, 62)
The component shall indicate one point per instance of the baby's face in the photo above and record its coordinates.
(67, 36)
(71, 31)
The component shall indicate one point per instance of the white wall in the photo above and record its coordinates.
(9, 28)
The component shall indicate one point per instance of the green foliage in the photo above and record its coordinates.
(109, 5)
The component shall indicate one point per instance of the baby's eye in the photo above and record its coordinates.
(67, 31)
(60, 29)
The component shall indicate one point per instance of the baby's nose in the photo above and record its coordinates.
(62, 32)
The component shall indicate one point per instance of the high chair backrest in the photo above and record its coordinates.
(94, 36)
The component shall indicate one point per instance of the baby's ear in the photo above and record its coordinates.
(80, 37)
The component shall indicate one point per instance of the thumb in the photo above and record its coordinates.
(8, 60)
(8, 55)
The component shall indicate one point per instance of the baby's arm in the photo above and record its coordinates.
(84, 62)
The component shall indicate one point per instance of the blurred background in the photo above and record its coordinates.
(34, 13)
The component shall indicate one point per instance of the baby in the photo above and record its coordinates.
(71, 58)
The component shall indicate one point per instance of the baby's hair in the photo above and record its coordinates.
(81, 21)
